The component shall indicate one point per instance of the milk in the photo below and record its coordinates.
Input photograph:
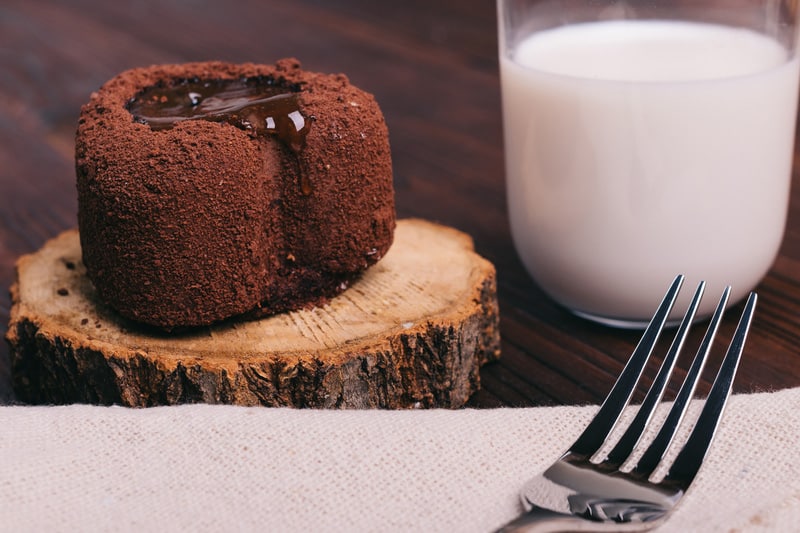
(639, 150)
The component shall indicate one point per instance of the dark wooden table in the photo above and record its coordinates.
(432, 67)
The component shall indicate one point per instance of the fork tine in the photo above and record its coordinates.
(691, 457)
(633, 434)
(654, 453)
(601, 425)
(576, 494)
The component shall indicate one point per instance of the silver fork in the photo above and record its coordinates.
(577, 493)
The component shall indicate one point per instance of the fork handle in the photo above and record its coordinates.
(539, 519)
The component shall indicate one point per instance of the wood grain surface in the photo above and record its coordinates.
(432, 67)
(413, 331)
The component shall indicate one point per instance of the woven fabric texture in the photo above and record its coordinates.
(225, 468)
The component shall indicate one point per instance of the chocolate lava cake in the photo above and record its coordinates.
(212, 190)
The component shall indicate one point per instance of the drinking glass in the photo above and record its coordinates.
(647, 139)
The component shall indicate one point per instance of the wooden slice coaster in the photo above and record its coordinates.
(412, 332)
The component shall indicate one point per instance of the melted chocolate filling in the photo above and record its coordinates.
(257, 105)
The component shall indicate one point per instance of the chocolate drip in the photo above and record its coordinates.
(257, 105)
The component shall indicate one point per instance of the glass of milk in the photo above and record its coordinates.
(647, 139)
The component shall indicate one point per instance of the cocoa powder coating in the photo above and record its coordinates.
(202, 222)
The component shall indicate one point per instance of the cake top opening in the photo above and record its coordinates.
(258, 105)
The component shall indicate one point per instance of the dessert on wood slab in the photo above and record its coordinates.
(237, 244)
(208, 190)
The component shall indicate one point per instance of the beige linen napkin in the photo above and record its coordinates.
(223, 468)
